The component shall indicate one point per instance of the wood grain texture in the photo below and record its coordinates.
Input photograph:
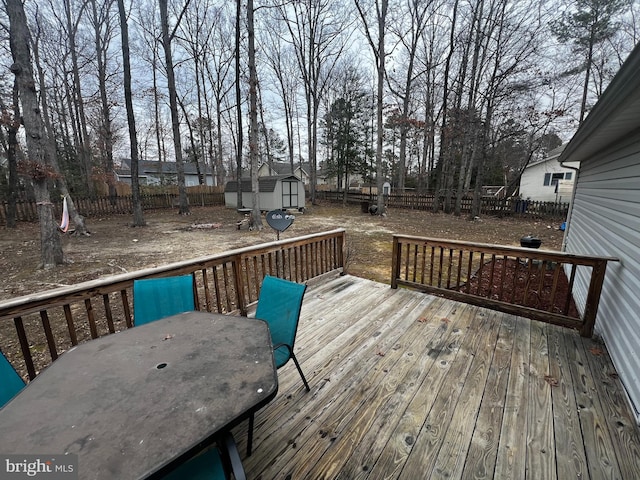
(408, 385)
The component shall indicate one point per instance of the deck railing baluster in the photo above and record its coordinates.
(46, 325)
(108, 314)
(525, 270)
(236, 276)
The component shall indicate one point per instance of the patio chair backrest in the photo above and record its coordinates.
(10, 382)
(156, 298)
(279, 305)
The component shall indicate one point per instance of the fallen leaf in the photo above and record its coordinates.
(596, 351)
(614, 375)
(446, 320)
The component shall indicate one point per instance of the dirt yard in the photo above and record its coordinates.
(116, 247)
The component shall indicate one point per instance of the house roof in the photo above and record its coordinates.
(615, 115)
(283, 168)
(265, 184)
(551, 156)
(146, 167)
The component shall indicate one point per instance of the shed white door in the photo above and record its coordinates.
(289, 194)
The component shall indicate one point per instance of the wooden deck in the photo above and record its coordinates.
(408, 385)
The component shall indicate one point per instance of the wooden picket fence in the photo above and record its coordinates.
(489, 205)
(26, 210)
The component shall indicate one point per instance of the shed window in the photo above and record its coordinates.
(289, 194)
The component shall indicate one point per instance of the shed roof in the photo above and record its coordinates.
(615, 115)
(265, 184)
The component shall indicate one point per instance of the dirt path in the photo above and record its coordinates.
(115, 247)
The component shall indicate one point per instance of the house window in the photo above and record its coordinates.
(567, 175)
(553, 178)
(289, 194)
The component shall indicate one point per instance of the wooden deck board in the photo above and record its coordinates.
(407, 385)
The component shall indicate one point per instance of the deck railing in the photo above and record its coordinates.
(536, 284)
(50, 322)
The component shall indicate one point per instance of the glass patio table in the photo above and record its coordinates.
(137, 403)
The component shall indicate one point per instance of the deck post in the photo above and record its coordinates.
(239, 285)
(593, 298)
(395, 262)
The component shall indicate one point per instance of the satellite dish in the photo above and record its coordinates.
(279, 220)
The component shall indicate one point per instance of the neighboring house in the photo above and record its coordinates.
(276, 192)
(284, 168)
(547, 180)
(604, 218)
(164, 173)
(330, 181)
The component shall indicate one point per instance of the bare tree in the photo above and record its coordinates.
(80, 227)
(138, 215)
(218, 73)
(100, 17)
(377, 44)
(37, 165)
(281, 60)
(317, 32)
(196, 32)
(256, 218)
(409, 36)
(10, 120)
(173, 100)
(77, 107)
(239, 142)
(218, 67)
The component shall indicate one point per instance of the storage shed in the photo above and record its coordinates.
(276, 192)
(605, 216)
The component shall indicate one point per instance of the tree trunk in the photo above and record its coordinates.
(82, 146)
(587, 74)
(445, 127)
(100, 22)
(38, 165)
(256, 220)
(138, 215)
(239, 104)
(77, 219)
(12, 159)
(173, 107)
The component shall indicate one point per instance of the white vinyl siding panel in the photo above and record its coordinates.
(605, 220)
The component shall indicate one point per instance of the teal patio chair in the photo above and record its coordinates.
(279, 305)
(10, 382)
(216, 463)
(156, 298)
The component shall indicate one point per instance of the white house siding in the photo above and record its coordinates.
(605, 220)
(532, 181)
